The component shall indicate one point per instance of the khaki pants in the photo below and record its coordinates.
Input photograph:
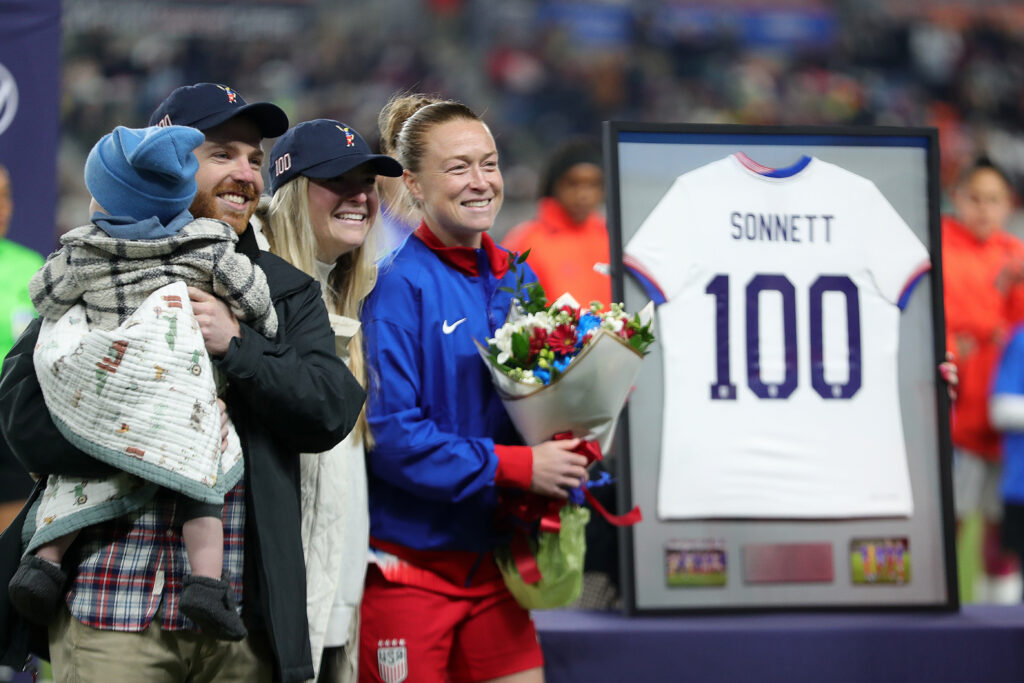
(81, 654)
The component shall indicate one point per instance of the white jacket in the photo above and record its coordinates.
(335, 533)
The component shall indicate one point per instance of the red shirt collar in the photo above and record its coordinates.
(464, 259)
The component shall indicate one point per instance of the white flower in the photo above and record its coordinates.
(542, 319)
(614, 324)
(503, 341)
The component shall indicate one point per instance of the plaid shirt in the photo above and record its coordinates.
(133, 563)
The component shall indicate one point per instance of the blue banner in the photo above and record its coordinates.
(29, 105)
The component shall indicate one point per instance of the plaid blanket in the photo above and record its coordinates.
(140, 397)
(112, 275)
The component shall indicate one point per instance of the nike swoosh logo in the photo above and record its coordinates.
(448, 329)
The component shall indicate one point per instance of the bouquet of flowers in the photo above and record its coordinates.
(562, 371)
(562, 367)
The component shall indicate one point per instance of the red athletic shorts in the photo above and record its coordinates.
(429, 637)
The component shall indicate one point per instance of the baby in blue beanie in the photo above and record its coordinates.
(143, 237)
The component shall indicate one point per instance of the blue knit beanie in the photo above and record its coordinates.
(144, 172)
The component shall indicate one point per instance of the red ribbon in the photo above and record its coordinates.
(548, 511)
(592, 450)
(628, 519)
(525, 560)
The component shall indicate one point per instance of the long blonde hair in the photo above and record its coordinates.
(288, 228)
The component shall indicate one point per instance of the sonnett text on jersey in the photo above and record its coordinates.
(782, 227)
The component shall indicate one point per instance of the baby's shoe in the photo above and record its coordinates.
(37, 589)
(211, 604)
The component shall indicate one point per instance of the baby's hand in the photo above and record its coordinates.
(216, 321)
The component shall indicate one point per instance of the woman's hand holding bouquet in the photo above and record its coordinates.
(563, 371)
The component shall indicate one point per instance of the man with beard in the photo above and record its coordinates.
(288, 395)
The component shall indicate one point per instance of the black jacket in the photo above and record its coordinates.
(285, 396)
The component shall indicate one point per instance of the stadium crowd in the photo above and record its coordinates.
(552, 70)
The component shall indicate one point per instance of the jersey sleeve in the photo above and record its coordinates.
(896, 257)
(651, 254)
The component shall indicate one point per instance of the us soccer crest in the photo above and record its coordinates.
(392, 663)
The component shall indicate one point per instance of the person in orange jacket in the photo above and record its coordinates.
(983, 278)
(568, 239)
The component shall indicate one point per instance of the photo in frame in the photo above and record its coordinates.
(797, 272)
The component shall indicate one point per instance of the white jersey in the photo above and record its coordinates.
(779, 330)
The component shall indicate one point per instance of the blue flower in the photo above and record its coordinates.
(561, 364)
(543, 375)
(588, 321)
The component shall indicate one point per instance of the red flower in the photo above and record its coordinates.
(537, 341)
(570, 311)
(563, 340)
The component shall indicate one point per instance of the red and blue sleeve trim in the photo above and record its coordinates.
(908, 288)
(646, 280)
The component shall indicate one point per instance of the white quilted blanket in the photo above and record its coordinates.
(140, 397)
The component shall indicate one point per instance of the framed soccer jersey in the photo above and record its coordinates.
(793, 402)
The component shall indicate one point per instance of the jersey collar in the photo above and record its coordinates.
(464, 259)
(768, 171)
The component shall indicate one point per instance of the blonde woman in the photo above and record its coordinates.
(320, 219)
(435, 605)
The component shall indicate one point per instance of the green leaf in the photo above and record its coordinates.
(537, 290)
(520, 346)
(522, 258)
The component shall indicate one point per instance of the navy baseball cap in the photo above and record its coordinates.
(205, 105)
(323, 148)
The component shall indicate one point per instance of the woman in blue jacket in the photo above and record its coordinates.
(435, 606)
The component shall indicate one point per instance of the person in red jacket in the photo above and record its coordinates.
(983, 277)
(568, 237)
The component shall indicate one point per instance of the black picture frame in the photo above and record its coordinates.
(934, 534)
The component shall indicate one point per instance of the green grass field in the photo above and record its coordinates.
(695, 580)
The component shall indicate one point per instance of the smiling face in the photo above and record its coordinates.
(229, 181)
(341, 210)
(458, 185)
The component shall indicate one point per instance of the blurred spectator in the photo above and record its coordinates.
(568, 239)
(554, 70)
(17, 265)
(984, 298)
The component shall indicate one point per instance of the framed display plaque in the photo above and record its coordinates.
(788, 436)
